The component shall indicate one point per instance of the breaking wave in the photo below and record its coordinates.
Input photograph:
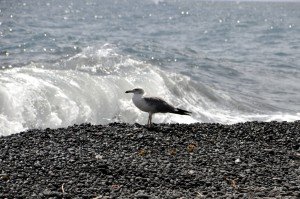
(90, 87)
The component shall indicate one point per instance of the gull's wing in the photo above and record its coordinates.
(159, 104)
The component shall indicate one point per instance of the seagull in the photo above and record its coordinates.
(153, 105)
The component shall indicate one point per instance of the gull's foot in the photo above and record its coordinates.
(151, 128)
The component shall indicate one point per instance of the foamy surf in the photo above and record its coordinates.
(89, 88)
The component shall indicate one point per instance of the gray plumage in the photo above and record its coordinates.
(160, 105)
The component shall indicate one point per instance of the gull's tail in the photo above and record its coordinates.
(182, 112)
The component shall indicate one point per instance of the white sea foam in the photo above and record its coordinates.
(90, 87)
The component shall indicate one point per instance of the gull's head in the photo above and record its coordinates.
(138, 91)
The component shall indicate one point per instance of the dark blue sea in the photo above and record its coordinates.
(69, 62)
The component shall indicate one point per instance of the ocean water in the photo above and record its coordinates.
(69, 62)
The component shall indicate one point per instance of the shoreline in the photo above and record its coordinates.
(118, 160)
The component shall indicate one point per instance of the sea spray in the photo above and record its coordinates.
(89, 88)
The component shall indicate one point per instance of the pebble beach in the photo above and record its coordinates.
(119, 160)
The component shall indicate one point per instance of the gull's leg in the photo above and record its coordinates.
(150, 120)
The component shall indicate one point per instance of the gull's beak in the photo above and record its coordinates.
(130, 91)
